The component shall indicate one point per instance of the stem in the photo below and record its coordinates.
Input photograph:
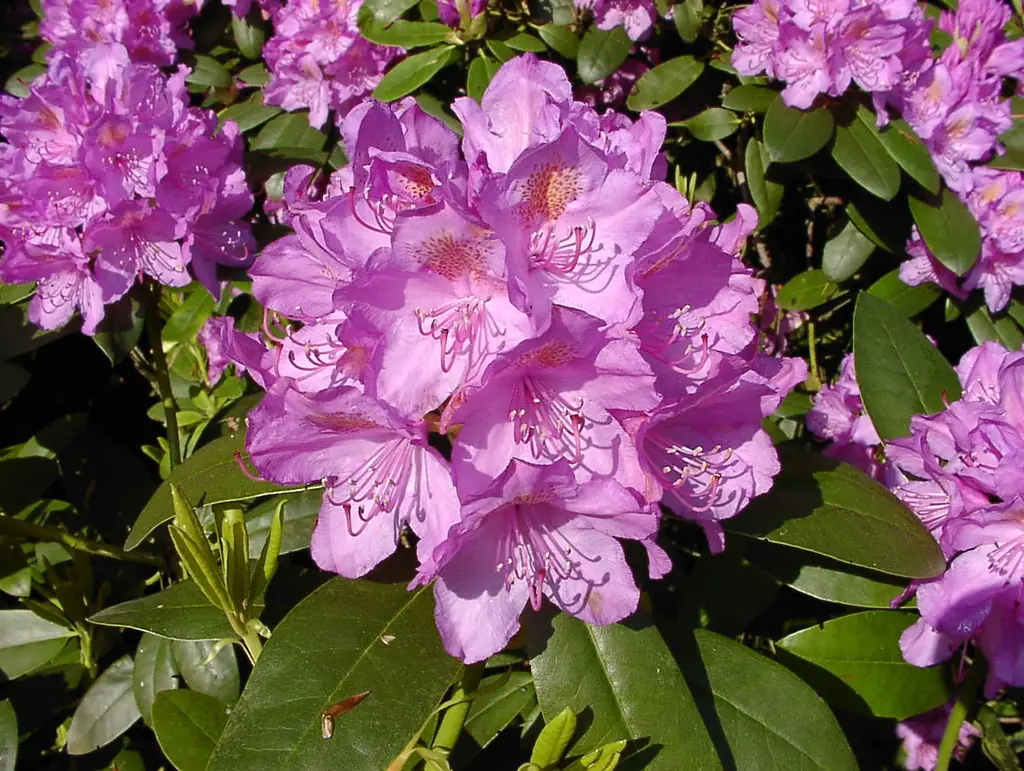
(253, 646)
(163, 380)
(455, 716)
(965, 699)
(21, 529)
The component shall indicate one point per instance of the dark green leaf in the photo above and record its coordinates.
(28, 641)
(858, 665)
(846, 253)
(899, 372)
(155, 671)
(495, 710)
(501, 51)
(120, 330)
(1003, 329)
(725, 593)
(300, 510)
(806, 290)
(250, 33)
(994, 741)
(179, 612)
(18, 335)
(406, 34)
(211, 475)
(217, 677)
(629, 683)
(688, 17)
(477, 78)
(185, 323)
(792, 135)
(254, 75)
(250, 113)
(714, 123)
(760, 715)
(829, 508)
(187, 726)
(861, 154)
(750, 99)
(949, 229)
(386, 11)
(525, 42)
(8, 736)
(1011, 160)
(767, 194)
(907, 149)
(560, 39)
(601, 53)
(106, 711)
(876, 219)
(326, 649)
(208, 73)
(12, 379)
(664, 83)
(290, 136)
(409, 74)
(909, 300)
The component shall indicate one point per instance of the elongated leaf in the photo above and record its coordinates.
(326, 649)
(861, 154)
(106, 711)
(833, 509)
(28, 641)
(1003, 329)
(524, 41)
(250, 113)
(767, 194)
(495, 710)
(949, 229)
(711, 124)
(185, 323)
(386, 11)
(630, 685)
(846, 253)
(858, 665)
(792, 135)
(409, 74)
(300, 511)
(554, 739)
(995, 742)
(477, 79)
(407, 34)
(11, 294)
(8, 736)
(290, 136)
(601, 53)
(216, 677)
(155, 671)
(750, 99)
(664, 83)
(211, 475)
(179, 612)
(899, 372)
(909, 300)
(760, 715)
(560, 39)
(187, 726)
(208, 73)
(909, 151)
(886, 228)
(689, 18)
(806, 290)
(120, 330)
(250, 34)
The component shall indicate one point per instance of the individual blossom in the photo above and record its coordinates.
(456, 13)
(921, 736)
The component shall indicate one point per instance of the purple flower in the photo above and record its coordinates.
(534, 532)
(637, 17)
(456, 13)
(922, 735)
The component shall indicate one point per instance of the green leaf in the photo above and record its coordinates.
(994, 741)
(846, 253)
(405, 34)
(477, 78)
(501, 51)
(386, 11)
(250, 113)
(761, 715)
(216, 677)
(187, 726)
(601, 53)
(949, 229)
(106, 711)
(861, 154)
(830, 508)
(299, 516)
(493, 711)
(806, 290)
(899, 372)
(210, 476)
(1003, 330)
(711, 124)
(15, 293)
(254, 75)
(208, 73)
(909, 151)
(725, 593)
(120, 330)
(750, 99)
(877, 220)
(250, 34)
(155, 671)
(1011, 160)
(409, 74)
(909, 300)
(199, 569)
(554, 739)
(18, 84)
(525, 42)
(8, 736)
(663, 83)
(266, 562)
(767, 194)
(179, 612)
(561, 39)
(792, 135)
(28, 641)
(290, 136)
(858, 665)
(326, 649)
(186, 321)
(13, 378)
(629, 683)
(689, 18)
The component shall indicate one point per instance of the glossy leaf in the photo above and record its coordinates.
(179, 612)
(208, 73)
(877, 220)
(845, 253)
(250, 33)
(861, 154)
(554, 739)
(830, 508)
(749, 98)
(629, 683)
(186, 321)
(155, 671)
(792, 135)
(949, 229)
(688, 16)
(407, 34)
(806, 290)
(1003, 329)
(210, 476)
(411, 73)
(767, 194)
(386, 11)
(106, 711)
(290, 136)
(910, 152)
(724, 593)
(8, 736)
(478, 77)
(601, 53)
(187, 726)
(560, 39)
(28, 641)
(909, 300)
(494, 710)
(664, 83)
(250, 113)
(327, 648)
(900, 373)
(858, 665)
(216, 677)
(711, 124)
(524, 41)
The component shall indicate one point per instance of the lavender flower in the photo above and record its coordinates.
(922, 735)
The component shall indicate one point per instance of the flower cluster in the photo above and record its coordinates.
(823, 47)
(108, 174)
(922, 735)
(457, 13)
(318, 60)
(637, 17)
(581, 334)
(151, 30)
(961, 473)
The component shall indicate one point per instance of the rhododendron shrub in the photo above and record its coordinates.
(552, 385)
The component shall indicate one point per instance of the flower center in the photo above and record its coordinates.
(551, 425)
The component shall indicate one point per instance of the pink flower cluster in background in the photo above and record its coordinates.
(581, 333)
(109, 175)
(922, 735)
